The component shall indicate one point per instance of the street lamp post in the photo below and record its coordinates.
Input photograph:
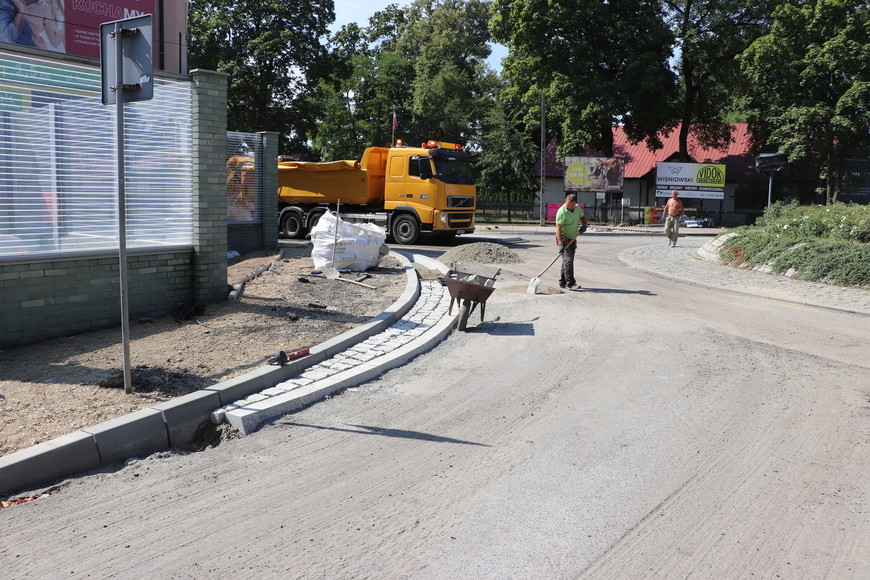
(770, 163)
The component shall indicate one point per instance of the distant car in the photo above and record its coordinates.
(696, 222)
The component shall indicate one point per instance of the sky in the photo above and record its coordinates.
(359, 11)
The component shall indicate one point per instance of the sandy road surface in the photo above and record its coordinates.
(642, 428)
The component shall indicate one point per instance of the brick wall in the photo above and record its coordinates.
(48, 299)
(244, 238)
(270, 190)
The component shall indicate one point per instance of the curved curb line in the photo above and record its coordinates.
(174, 423)
(237, 290)
(624, 257)
(252, 415)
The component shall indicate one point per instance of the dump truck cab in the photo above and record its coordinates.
(433, 184)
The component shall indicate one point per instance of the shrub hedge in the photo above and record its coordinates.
(824, 243)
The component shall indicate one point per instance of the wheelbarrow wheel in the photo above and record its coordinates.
(464, 311)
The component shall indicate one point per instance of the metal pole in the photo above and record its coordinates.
(769, 187)
(543, 154)
(122, 206)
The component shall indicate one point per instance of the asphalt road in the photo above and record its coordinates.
(642, 428)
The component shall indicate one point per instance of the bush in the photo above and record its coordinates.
(823, 243)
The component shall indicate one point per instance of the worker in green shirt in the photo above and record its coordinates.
(570, 222)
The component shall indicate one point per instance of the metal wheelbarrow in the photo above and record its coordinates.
(469, 290)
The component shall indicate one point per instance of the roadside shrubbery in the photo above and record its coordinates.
(824, 243)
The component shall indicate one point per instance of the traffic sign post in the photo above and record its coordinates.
(127, 75)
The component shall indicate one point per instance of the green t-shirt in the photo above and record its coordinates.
(570, 221)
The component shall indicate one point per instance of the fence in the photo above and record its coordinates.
(503, 211)
(526, 212)
(59, 262)
(58, 162)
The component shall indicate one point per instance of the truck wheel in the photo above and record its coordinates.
(405, 229)
(291, 225)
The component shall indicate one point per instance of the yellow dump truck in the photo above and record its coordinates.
(405, 190)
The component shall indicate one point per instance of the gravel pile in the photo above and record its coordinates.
(481, 253)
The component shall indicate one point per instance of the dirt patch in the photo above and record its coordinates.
(55, 387)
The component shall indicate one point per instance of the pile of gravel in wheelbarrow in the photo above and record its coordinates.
(481, 253)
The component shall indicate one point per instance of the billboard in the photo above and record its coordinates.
(698, 180)
(594, 173)
(66, 26)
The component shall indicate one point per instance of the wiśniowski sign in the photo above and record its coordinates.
(698, 180)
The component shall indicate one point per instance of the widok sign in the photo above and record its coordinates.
(698, 180)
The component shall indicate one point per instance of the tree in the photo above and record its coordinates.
(812, 84)
(599, 63)
(507, 153)
(355, 104)
(446, 40)
(710, 34)
(426, 62)
(272, 52)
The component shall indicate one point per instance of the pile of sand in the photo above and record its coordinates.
(480, 253)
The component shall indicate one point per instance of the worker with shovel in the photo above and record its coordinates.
(570, 222)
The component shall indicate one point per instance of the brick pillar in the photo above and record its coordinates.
(209, 186)
(269, 173)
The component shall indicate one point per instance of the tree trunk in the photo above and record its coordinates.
(606, 134)
(688, 111)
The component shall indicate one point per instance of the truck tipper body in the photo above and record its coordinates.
(405, 190)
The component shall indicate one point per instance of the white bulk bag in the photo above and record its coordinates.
(357, 247)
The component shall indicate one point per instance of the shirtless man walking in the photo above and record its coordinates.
(673, 213)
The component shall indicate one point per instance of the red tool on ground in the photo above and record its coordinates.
(281, 358)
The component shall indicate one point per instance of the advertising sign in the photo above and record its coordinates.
(697, 180)
(594, 173)
(67, 26)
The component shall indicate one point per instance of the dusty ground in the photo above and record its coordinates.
(643, 428)
(56, 387)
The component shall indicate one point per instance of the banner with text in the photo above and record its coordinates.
(698, 180)
(66, 26)
(594, 173)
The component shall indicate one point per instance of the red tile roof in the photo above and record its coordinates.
(737, 157)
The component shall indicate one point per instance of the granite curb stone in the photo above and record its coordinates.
(425, 325)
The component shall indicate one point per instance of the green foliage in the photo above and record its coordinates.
(810, 84)
(425, 61)
(824, 243)
(507, 154)
(710, 34)
(840, 221)
(596, 62)
(838, 262)
(273, 56)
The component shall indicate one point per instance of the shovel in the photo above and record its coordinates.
(536, 281)
(330, 271)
